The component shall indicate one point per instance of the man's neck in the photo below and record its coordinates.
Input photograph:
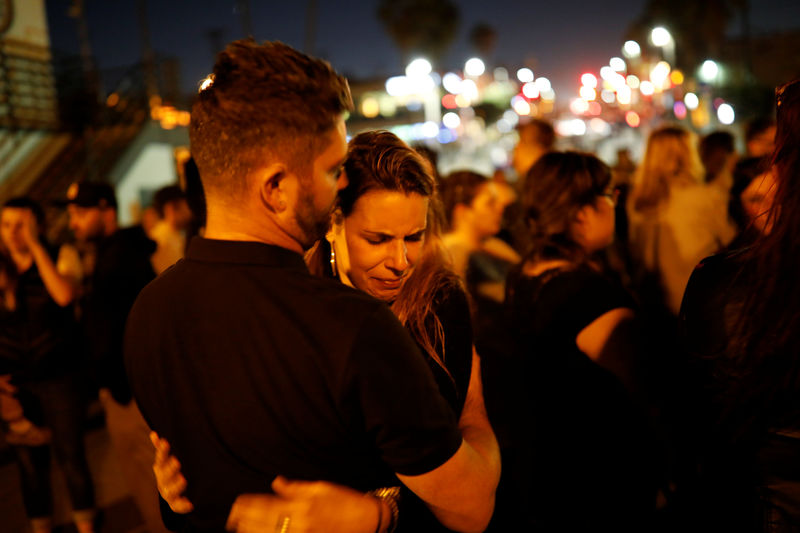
(229, 228)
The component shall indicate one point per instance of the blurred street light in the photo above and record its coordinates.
(617, 63)
(474, 67)
(631, 49)
(725, 114)
(418, 68)
(662, 38)
(525, 75)
(709, 71)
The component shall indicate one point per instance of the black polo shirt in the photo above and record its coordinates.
(251, 367)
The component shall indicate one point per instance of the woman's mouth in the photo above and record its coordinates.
(389, 284)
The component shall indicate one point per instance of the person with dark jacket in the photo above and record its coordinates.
(121, 268)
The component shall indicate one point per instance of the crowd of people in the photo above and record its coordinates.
(351, 342)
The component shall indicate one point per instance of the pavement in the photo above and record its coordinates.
(119, 513)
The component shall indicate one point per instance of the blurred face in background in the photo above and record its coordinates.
(12, 226)
(86, 222)
(385, 235)
(757, 200)
(594, 228)
(486, 211)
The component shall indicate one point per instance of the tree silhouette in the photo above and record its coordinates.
(483, 38)
(420, 26)
(698, 28)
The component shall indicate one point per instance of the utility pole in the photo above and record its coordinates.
(311, 27)
(148, 56)
(243, 6)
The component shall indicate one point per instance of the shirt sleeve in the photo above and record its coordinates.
(412, 425)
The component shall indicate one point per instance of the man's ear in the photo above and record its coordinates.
(272, 187)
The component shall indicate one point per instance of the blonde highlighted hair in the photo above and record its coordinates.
(671, 159)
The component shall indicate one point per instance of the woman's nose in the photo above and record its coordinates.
(398, 258)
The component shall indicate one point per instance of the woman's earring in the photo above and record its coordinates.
(333, 260)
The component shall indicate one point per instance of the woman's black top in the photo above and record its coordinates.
(37, 337)
(743, 424)
(452, 308)
(580, 451)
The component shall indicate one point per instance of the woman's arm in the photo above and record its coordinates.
(61, 288)
(461, 492)
(593, 339)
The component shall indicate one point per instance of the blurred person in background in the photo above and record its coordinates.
(169, 233)
(536, 138)
(580, 437)
(122, 267)
(751, 198)
(38, 348)
(741, 323)
(718, 154)
(674, 220)
(759, 137)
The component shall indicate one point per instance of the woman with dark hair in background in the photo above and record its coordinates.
(741, 321)
(581, 450)
(38, 350)
(384, 240)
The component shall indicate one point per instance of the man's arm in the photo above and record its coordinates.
(461, 492)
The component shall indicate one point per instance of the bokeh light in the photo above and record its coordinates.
(525, 75)
(474, 67)
(725, 114)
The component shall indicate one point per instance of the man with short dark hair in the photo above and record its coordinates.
(248, 365)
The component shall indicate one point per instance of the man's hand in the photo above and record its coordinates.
(309, 506)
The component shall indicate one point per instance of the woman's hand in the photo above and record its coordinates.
(169, 479)
(307, 507)
(30, 229)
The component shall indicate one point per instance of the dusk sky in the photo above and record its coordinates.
(560, 39)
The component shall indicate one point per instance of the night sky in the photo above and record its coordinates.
(559, 39)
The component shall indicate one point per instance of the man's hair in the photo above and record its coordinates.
(263, 101)
(167, 195)
(538, 131)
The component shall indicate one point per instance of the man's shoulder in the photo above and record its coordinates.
(126, 243)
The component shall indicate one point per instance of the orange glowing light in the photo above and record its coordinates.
(632, 118)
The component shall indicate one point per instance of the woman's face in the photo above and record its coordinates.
(595, 229)
(757, 200)
(385, 234)
(487, 213)
(12, 224)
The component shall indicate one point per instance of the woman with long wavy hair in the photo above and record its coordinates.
(741, 321)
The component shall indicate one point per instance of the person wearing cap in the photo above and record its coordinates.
(169, 232)
(122, 266)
